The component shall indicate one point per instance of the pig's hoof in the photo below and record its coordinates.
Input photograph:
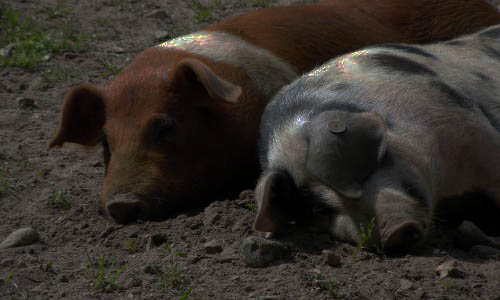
(403, 237)
(125, 208)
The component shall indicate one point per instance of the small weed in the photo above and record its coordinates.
(56, 11)
(449, 284)
(110, 68)
(262, 3)
(103, 273)
(180, 254)
(31, 44)
(48, 267)
(7, 282)
(333, 290)
(186, 294)
(59, 201)
(4, 185)
(173, 278)
(250, 206)
(132, 245)
(202, 13)
(10, 286)
(40, 174)
(366, 239)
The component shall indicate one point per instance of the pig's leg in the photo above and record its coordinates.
(401, 220)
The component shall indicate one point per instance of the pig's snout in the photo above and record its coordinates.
(125, 208)
(403, 237)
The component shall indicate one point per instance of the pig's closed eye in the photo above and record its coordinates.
(161, 130)
(105, 149)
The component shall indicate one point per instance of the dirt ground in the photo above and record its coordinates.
(82, 254)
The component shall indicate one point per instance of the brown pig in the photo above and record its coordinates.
(179, 125)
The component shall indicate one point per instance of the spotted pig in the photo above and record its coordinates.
(380, 137)
(179, 126)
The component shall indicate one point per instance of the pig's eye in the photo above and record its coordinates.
(161, 130)
(105, 147)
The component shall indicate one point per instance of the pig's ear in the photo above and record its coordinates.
(82, 117)
(345, 148)
(274, 194)
(191, 74)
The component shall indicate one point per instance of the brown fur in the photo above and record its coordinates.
(212, 150)
(425, 21)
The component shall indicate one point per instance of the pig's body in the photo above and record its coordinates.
(385, 133)
(179, 126)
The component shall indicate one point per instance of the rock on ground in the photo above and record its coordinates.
(21, 237)
(260, 252)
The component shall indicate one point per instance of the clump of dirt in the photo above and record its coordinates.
(82, 254)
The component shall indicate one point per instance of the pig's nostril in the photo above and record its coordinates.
(125, 208)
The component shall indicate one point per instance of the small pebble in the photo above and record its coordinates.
(405, 284)
(161, 35)
(25, 103)
(152, 269)
(449, 269)
(259, 252)
(212, 247)
(331, 258)
(117, 49)
(21, 237)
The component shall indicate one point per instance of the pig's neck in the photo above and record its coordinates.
(267, 71)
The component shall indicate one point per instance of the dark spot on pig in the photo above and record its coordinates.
(400, 64)
(408, 49)
(333, 105)
(453, 95)
(491, 52)
(106, 153)
(414, 192)
(482, 76)
(455, 43)
(492, 33)
(495, 123)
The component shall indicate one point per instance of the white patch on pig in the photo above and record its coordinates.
(268, 71)
(289, 148)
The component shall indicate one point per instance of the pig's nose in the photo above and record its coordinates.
(125, 208)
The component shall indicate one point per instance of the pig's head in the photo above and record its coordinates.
(169, 137)
(322, 162)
